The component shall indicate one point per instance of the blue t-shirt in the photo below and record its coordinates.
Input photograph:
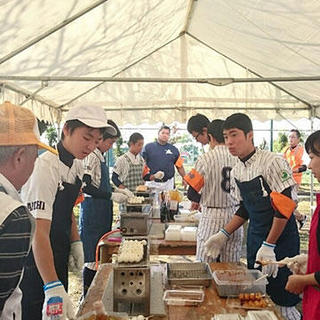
(160, 157)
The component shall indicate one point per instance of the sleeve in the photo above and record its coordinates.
(242, 211)
(121, 168)
(282, 203)
(193, 195)
(279, 175)
(115, 179)
(144, 153)
(40, 190)
(195, 178)
(15, 238)
(179, 162)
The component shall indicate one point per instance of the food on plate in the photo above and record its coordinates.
(142, 188)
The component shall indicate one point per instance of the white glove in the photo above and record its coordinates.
(126, 192)
(215, 243)
(266, 253)
(297, 264)
(76, 258)
(57, 304)
(118, 197)
(159, 175)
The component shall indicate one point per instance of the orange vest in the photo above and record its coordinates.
(294, 158)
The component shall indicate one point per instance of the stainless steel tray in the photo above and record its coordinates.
(197, 273)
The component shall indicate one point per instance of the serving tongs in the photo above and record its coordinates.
(282, 262)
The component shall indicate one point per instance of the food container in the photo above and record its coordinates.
(230, 283)
(193, 273)
(173, 233)
(189, 234)
(261, 315)
(183, 297)
(227, 316)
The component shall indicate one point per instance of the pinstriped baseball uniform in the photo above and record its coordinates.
(272, 167)
(217, 204)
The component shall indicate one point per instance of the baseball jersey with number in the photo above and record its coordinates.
(273, 168)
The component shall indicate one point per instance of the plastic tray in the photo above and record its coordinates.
(235, 303)
(227, 316)
(261, 315)
(183, 297)
(230, 283)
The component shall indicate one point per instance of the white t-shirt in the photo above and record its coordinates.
(40, 190)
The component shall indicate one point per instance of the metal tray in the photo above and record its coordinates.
(197, 273)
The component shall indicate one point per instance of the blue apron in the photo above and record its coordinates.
(60, 231)
(256, 199)
(95, 217)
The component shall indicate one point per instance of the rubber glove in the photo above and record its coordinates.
(118, 197)
(266, 253)
(297, 264)
(57, 304)
(159, 175)
(76, 258)
(126, 192)
(215, 243)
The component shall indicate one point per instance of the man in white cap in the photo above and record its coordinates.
(50, 195)
(19, 143)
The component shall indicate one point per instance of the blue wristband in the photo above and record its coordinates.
(225, 232)
(51, 285)
(270, 245)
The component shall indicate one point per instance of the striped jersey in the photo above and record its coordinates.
(215, 166)
(273, 168)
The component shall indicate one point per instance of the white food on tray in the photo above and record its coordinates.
(136, 200)
(131, 251)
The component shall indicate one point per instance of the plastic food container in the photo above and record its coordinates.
(230, 283)
(227, 316)
(183, 297)
(189, 234)
(261, 315)
(173, 233)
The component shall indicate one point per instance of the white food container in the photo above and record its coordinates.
(173, 233)
(189, 234)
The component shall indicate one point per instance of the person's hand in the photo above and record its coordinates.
(215, 243)
(76, 258)
(296, 284)
(57, 304)
(266, 253)
(159, 175)
(194, 206)
(297, 264)
(126, 192)
(118, 197)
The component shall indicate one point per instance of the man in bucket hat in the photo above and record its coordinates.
(50, 195)
(19, 143)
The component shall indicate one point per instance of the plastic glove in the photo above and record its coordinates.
(76, 258)
(159, 175)
(118, 197)
(57, 304)
(297, 264)
(215, 243)
(266, 253)
(126, 192)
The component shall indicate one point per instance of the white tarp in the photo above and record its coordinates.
(162, 39)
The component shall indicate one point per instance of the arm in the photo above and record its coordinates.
(193, 195)
(11, 242)
(116, 181)
(90, 189)
(181, 171)
(296, 283)
(235, 223)
(42, 251)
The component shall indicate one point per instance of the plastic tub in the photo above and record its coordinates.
(183, 297)
(173, 233)
(230, 283)
(189, 234)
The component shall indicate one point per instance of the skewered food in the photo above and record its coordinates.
(252, 300)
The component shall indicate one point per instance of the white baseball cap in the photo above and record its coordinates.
(92, 116)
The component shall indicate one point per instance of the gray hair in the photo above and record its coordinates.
(6, 152)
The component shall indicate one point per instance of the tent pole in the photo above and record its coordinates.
(311, 175)
(271, 135)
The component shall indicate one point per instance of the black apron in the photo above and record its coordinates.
(256, 199)
(32, 284)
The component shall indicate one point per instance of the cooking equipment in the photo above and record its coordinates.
(197, 273)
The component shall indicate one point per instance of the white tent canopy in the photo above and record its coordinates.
(60, 43)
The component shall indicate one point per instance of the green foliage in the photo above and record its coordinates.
(263, 145)
(51, 135)
(120, 147)
(280, 143)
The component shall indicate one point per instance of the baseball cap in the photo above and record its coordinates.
(92, 116)
(19, 127)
